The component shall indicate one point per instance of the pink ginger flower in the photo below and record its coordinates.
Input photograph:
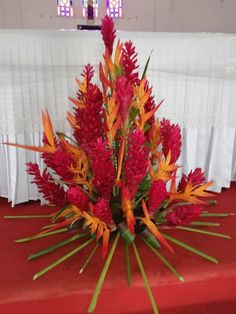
(124, 95)
(156, 195)
(102, 211)
(136, 163)
(129, 60)
(76, 196)
(171, 139)
(51, 191)
(196, 177)
(102, 168)
(183, 215)
(108, 33)
(89, 118)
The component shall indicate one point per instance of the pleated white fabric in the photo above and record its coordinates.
(194, 72)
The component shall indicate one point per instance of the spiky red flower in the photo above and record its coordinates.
(102, 168)
(156, 195)
(183, 215)
(197, 177)
(89, 118)
(108, 33)
(124, 95)
(76, 196)
(88, 72)
(102, 211)
(171, 139)
(129, 60)
(51, 191)
(136, 163)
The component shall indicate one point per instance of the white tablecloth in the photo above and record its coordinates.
(195, 73)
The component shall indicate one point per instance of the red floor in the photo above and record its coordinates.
(209, 288)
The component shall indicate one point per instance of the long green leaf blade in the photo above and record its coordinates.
(102, 277)
(164, 260)
(205, 224)
(127, 263)
(213, 234)
(145, 279)
(62, 259)
(191, 248)
(27, 216)
(56, 246)
(43, 235)
(89, 258)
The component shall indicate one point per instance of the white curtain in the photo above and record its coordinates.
(194, 72)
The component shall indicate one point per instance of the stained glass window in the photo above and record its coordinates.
(114, 8)
(64, 8)
(85, 5)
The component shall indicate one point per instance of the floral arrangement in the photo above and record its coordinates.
(117, 177)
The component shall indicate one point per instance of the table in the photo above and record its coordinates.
(209, 288)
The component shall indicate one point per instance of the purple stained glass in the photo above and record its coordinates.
(114, 8)
(64, 8)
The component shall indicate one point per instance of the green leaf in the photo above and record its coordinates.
(56, 246)
(213, 234)
(190, 248)
(127, 262)
(125, 233)
(216, 214)
(89, 258)
(102, 277)
(148, 236)
(205, 224)
(62, 259)
(43, 235)
(59, 213)
(145, 279)
(69, 138)
(27, 216)
(164, 260)
(146, 65)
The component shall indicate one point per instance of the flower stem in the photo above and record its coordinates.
(102, 277)
(46, 234)
(89, 258)
(27, 216)
(62, 259)
(145, 279)
(205, 224)
(190, 248)
(127, 262)
(216, 214)
(56, 246)
(214, 234)
(164, 260)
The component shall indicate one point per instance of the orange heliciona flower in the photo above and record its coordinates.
(126, 204)
(51, 146)
(153, 228)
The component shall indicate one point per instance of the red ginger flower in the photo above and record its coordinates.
(183, 215)
(88, 72)
(129, 60)
(102, 168)
(171, 139)
(102, 211)
(76, 196)
(124, 95)
(89, 118)
(108, 33)
(51, 191)
(156, 195)
(136, 162)
(196, 177)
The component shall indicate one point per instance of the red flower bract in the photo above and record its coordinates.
(129, 60)
(156, 195)
(51, 191)
(76, 196)
(124, 95)
(136, 162)
(102, 211)
(108, 33)
(171, 139)
(102, 168)
(196, 177)
(183, 215)
(88, 72)
(89, 118)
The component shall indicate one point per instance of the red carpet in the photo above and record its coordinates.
(209, 288)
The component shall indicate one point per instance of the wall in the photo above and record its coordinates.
(139, 15)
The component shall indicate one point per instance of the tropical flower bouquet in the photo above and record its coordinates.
(116, 179)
